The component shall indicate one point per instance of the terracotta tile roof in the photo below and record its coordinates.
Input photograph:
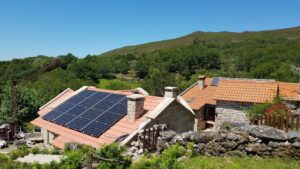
(121, 128)
(246, 91)
(240, 90)
(289, 90)
(197, 97)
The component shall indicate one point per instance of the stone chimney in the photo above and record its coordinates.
(201, 81)
(135, 106)
(171, 92)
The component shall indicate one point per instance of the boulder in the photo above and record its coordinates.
(3, 144)
(296, 144)
(293, 136)
(205, 137)
(168, 135)
(266, 133)
(233, 137)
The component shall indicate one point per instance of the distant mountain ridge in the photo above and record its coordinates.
(289, 33)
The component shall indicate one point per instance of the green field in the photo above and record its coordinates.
(117, 84)
(201, 162)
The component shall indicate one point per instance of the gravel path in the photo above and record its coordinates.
(40, 158)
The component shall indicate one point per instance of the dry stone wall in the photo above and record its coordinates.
(249, 140)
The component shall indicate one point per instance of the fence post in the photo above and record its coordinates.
(287, 123)
(297, 122)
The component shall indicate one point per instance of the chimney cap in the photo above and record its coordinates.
(170, 88)
(136, 97)
(201, 77)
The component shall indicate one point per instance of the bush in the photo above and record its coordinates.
(258, 109)
(35, 150)
(168, 159)
(112, 156)
(20, 152)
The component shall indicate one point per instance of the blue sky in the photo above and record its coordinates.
(81, 27)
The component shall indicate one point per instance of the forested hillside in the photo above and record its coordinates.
(176, 62)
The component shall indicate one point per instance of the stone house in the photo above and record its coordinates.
(95, 116)
(219, 100)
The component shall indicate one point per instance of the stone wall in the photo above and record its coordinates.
(249, 140)
(294, 106)
(176, 117)
(233, 112)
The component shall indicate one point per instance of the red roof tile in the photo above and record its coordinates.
(197, 97)
(289, 90)
(246, 91)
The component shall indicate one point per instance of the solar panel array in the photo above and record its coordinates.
(89, 112)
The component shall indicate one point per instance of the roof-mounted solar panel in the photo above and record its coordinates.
(215, 81)
(89, 112)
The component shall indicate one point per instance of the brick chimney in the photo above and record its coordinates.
(135, 106)
(201, 81)
(171, 92)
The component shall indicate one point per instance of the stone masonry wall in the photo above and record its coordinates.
(176, 117)
(249, 140)
(233, 112)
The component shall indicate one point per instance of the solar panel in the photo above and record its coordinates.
(95, 129)
(89, 112)
(103, 105)
(109, 118)
(75, 100)
(114, 98)
(99, 96)
(64, 107)
(77, 110)
(118, 109)
(64, 119)
(215, 81)
(52, 115)
(88, 102)
(78, 123)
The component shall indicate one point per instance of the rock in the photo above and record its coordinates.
(296, 144)
(19, 142)
(3, 144)
(187, 135)
(140, 151)
(273, 144)
(229, 144)
(207, 136)
(266, 133)
(252, 139)
(235, 153)
(293, 136)
(233, 137)
(168, 135)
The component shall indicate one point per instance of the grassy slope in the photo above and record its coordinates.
(240, 163)
(289, 33)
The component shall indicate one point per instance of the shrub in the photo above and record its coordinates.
(20, 152)
(168, 159)
(258, 109)
(35, 150)
(112, 156)
(226, 126)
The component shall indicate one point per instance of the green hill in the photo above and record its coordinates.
(229, 37)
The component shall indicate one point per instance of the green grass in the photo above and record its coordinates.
(117, 84)
(201, 162)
